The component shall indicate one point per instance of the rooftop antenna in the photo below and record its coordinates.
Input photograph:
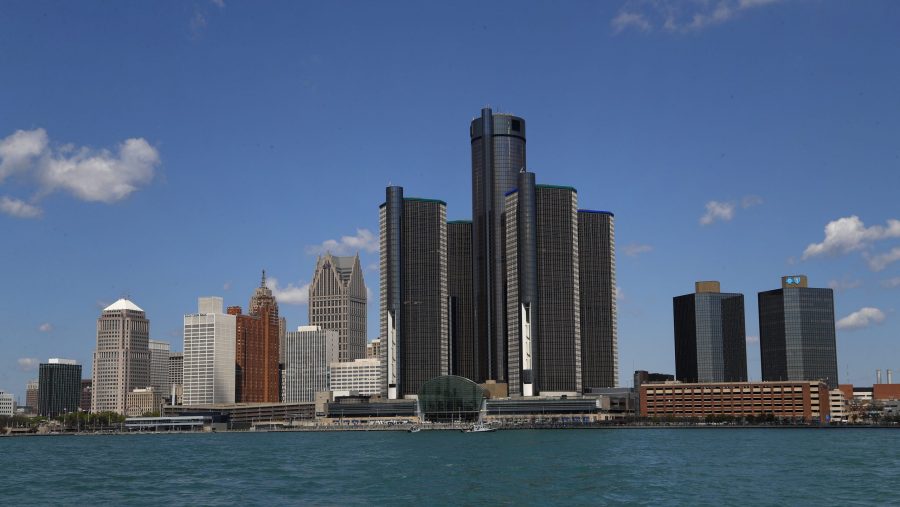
(263, 282)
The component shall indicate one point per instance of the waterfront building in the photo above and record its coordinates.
(308, 355)
(337, 301)
(209, 354)
(60, 387)
(839, 406)
(257, 348)
(121, 361)
(543, 298)
(710, 341)
(31, 394)
(498, 154)
(463, 351)
(159, 365)
(414, 311)
(797, 332)
(86, 389)
(597, 290)
(373, 349)
(794, 400)
(142, 401)
(645, 377)
(7, 404)
(360, 376)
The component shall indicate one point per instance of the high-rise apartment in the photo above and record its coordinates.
(710, 341)
(597, 289)
(337, 301)
(463, 350)
(414, 294)
(209, 354)
(796, 332)
(60, 387)
(498, 154)
(257, 348)
(159, 366)
(308, 354)
(122, 357)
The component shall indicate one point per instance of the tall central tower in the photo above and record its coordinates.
(498, 154)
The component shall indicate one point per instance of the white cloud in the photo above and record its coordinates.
(891, 283)
(844, 284)
(635, 249)
(290, 295)
(364, 240)
(226, 286)
(46, 327)
(848, 234)
(881, 261)
(752, 339)
(680, 16)
(218, 3)
(862, 318)
(27, 363)
(19, 209)
(716, 210)
(88, 174)
(620, 296)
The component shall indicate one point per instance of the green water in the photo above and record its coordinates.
(550, 467)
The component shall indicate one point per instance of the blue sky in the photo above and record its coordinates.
(172, 150)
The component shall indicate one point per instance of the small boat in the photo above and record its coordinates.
(414, 429)
(479, 428)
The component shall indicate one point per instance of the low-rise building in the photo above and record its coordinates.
(360, 375)
(7, 404)
(840, 406)
(142, 401)
(808, 401)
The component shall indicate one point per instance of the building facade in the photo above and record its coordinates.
(159, 365)
(59, 387)
(175, 373)
(597, 290)
(338, 300)
(122, 358)
(257, 349)
(414, 293)
(308, 355)
(209, 354)
(498, 154)
(463, 351)
(710, 340)
(806, 401)
(373, 349)
(142, 401)
(31, 394)
(7, 404)
(86, 390)
(797, 332)
(360, 376)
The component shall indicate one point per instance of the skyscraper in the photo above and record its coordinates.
(209, 354)
(159, 366)
(308, 354)
(257, 348)
(710, 344)
(122, 357)
(597, 287)
(796, 332)
(86, 390)
(31, 394)
(463, 352)
(337, 301)
(498, 154)
(543, 300)
(414, 294)
(60, 387)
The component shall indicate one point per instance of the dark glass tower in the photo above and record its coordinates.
(796, 332)
(414, 302)
(59, 387)
(498, 154)
(710, 341)
(597, 286)
(463, 357)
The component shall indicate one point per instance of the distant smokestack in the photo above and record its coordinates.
(890, 377)
(878, 376)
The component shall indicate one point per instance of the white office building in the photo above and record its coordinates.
(308, 354)
(7, 404)
(159, 366)
(122, 357)
(209, 354)
(360, 376)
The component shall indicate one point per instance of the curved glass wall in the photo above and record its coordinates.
(450, 398)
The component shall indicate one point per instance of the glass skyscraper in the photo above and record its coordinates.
(59, 387)
(498, 154)
(463, 358)
(597, 287)
(796, 332)
(710, 340)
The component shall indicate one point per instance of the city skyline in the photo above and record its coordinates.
(713, 173)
